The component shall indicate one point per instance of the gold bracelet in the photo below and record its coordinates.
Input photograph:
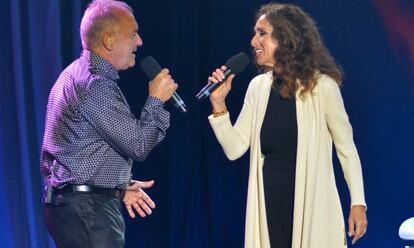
(217, 114)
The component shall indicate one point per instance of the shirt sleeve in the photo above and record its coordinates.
(106, 109)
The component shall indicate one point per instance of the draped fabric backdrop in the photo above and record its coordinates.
(200, 195)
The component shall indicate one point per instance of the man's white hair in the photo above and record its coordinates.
(100, 16)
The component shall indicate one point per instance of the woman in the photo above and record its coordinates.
(291, 114)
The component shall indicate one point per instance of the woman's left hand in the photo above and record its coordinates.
(357, 222)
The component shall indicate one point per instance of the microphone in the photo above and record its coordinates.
(151, 68)
(235, 65)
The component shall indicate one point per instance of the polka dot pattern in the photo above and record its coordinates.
(91, 136)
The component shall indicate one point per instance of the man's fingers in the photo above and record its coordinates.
(148, 200)
(133, 187)
(139, 210)
(136, 185)
(130, 211)
(137, 200)
(165, 71)
(138, 206)
(145, 206)
(144, 184)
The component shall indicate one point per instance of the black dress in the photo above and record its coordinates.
(278, 139)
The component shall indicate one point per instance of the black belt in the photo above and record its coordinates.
(88, 189)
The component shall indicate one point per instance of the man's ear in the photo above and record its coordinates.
(107, 41)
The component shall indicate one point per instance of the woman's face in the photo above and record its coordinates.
(264, 45)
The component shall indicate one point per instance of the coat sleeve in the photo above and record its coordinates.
(235, 140)
(341, 133)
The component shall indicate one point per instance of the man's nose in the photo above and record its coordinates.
(139, 41)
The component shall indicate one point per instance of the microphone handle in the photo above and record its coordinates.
(211, 87)
(179, 103)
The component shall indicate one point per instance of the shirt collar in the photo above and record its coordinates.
(100, 65)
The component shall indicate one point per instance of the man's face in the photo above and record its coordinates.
(126, 42)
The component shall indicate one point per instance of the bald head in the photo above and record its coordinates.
(101, 16)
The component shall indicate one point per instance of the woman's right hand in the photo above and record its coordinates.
(218, 97)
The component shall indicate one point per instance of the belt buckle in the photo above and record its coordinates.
(82, 188)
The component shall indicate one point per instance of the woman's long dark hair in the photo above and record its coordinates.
(301, 54)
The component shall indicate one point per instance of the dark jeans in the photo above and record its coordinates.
(85, 220)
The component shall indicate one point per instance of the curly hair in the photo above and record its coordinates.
(301, 54)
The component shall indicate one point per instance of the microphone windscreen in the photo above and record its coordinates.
(237, 63)
(150, 67)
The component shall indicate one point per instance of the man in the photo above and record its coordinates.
(91, 136)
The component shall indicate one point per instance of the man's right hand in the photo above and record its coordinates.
(162, 86)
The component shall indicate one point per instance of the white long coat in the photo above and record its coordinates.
(321, 117)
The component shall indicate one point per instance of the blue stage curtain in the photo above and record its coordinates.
(30, 62)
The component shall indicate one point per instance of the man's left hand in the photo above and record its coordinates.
(136, 198)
